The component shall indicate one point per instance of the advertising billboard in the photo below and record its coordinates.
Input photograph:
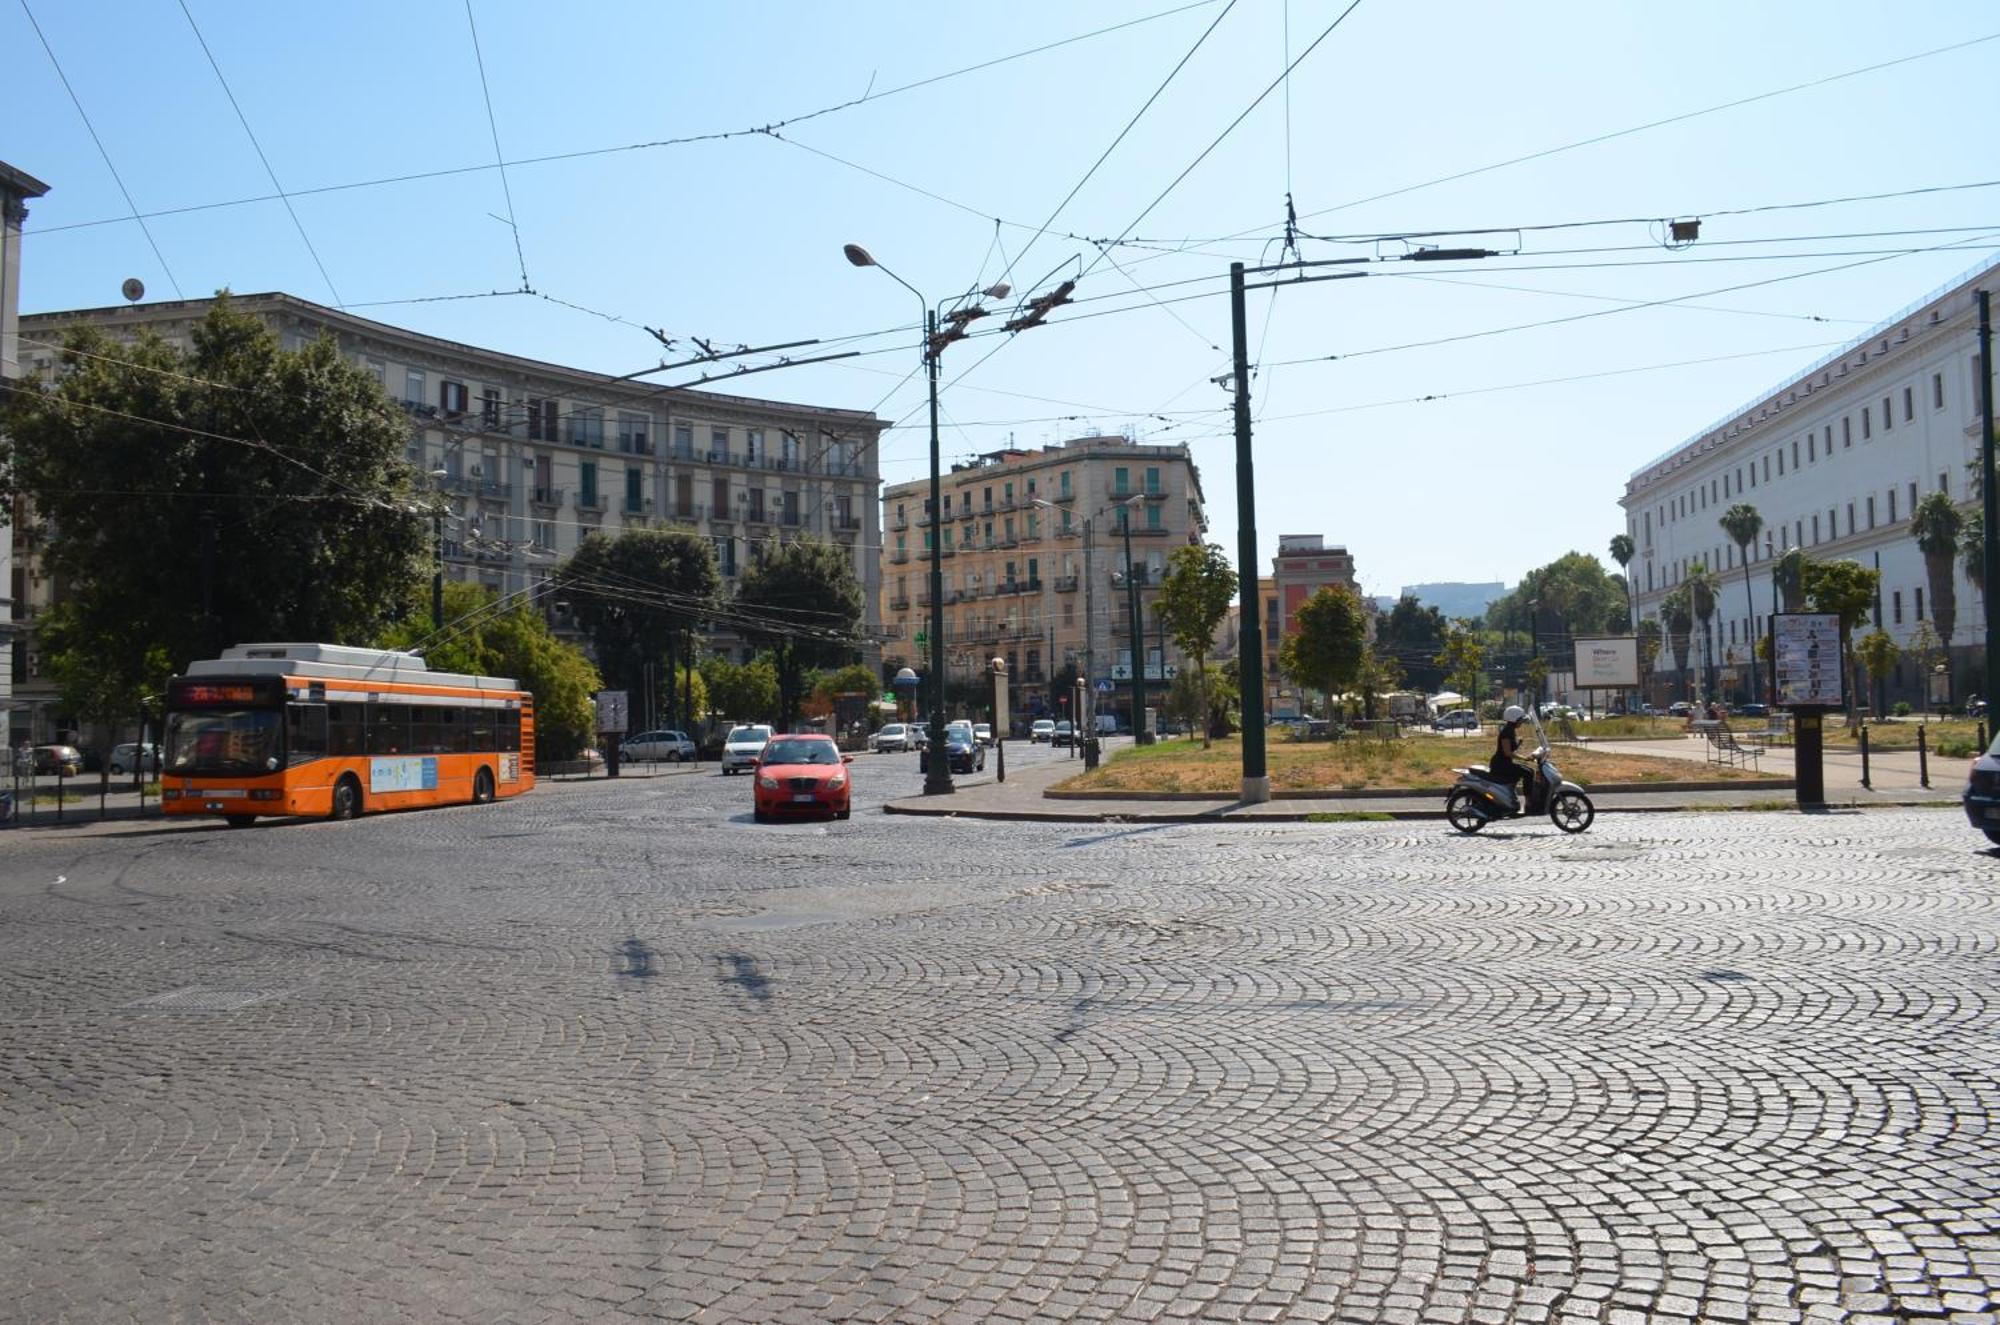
(1607, 662)
(1807, 651)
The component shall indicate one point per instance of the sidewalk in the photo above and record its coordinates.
(1888, 770)
(1022, 798)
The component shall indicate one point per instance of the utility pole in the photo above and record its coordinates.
(1256, 780)
(1140, 733)
(1992, 503)
(1089, 620)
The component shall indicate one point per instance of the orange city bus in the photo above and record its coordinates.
(321, 729)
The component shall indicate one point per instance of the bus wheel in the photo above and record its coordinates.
(482, 786)
(239, 820)
(347, 798)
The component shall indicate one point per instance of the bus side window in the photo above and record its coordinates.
(344, 729)
(510, 731)
(305, 731)
(388, 729)
(482, 741)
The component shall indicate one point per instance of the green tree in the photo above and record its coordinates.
(1622, 551)
(1462, 658)
(1649, 652)
(195, 499)
(1572, 595)
(640, 596)
(1879, 653)
(1677, 615)
(1937, 525)
(1379, 674)
(1972, 548)
(1790, 575)
(741, 692)
(1413, 634)
(486, 638)
(1846, 588)
(1702, 588)
(802, 603)
(103, 682)
(1742, 523)
(1324, 650)
(1194, 600)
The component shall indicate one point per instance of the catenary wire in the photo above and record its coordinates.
(499, 157)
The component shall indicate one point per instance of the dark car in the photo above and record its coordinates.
(1982, 793)
(1063, 735)
(1753, 710)
(963, 753)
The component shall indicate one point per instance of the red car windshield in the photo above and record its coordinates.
(801, 752)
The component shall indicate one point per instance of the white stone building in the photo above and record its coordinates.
(1835, 459)
(536, 456)
(16, 188)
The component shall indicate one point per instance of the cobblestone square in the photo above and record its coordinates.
(614, 1051)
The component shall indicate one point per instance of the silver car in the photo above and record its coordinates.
(126, 757)
(743, 745)
(671, 746)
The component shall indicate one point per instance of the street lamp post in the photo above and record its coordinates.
(1140, 733)
(937, 769)
(438, 477)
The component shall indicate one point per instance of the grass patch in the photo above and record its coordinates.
(1350, 817)
(1425, 762)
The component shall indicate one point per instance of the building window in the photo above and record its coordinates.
(1943, 484)
(1896, 602)
(1871, 512)
(1767, 469)
(1888, 416)
(1795, 453)
(634, 491)
(1937, 390)
(1781, 461)
(1910, 409)
(1832, 526)
(451, 398)
(379, 371)
(1153, 517)
(489, 409)
(1153, 481)
(541, 420)
(1811, 454)
(1815, 531)
(753, 447)
(586, 428)
(1850, 519)
(684, 441)
(718, 445)
(1064, 487)
(719, 496)
(1846, 431)
(1920, 604)
(1121, 482)
(1913, 497)
(413, 387)
(633, 433)
(1892, 506)
(1867, 429)
(586, 482)
(1829, 441)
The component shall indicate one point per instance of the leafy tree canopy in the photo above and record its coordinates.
(1324, 651)
(638, 596)
(741, 692)
(802, 603)
(1194, 600)
(1577, 596)
(200, 498)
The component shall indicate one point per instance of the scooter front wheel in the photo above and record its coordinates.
(1572, 811)
(1458, 809)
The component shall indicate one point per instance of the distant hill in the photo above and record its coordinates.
(1455, 599)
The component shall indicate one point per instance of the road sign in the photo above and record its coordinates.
(922, 639)
(1103, 687)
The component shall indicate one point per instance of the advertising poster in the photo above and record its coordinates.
(1609, 662)
(1807, 651)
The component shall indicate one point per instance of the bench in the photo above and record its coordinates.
(1724, 748)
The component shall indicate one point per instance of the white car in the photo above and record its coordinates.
(743, 745)
(893, 736)
(668, 745)
(1043, 730)
(982, 732)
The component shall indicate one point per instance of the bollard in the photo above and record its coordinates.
(1923, 760)
(1864, 757)
(1982, 734)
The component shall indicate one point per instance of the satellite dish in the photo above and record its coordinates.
(134, 289)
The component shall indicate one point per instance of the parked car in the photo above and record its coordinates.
(802, 774)
(744, 746)
(124, 758)
(1062, 734)
(963, 754)
(591, 758)
(1043, 730)
(1107, 724)
(1982, 793)
(52, 761)
(1753, 710)
(982, 732)
(1457, 720)
(671, 746)
(893, 736)
(1680, 708)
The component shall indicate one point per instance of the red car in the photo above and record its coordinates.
(802, 775)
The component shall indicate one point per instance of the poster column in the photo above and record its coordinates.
(1806, 671)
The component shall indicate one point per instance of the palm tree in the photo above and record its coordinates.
(1972, 549)
(1621, 552)
(1701, 597)
(1743, 522)
(1677, 615)
(1936, 525)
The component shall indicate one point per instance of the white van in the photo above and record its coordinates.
(1107, 724)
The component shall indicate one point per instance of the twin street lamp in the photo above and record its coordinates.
(937, 769)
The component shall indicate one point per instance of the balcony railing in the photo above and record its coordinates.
(546, 496)
(590, 501)
(1065, 495)
(686, 510)
(756, 515)
(900, 603)
(638, 506)
(493, 490)
(900, 557)
(1065, 584)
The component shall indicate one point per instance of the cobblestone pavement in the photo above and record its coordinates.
(614, 1051)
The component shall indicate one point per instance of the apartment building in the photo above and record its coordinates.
(1033, 547)
(1834, 458)
(16, 188)
(530, 458)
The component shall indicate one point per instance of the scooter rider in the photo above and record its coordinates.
(1506, 769)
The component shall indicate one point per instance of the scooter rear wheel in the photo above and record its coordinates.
(1458, 809)
(1572, 811)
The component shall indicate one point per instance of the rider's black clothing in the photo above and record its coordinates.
(1505, 768)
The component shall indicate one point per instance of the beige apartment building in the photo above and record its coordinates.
(1033, 545)
(533, 457)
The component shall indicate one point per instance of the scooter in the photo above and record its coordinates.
(1478, 798)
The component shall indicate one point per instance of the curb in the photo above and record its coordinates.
(1402, 793)
(1220, 814)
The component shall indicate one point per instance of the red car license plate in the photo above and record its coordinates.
(803, 798)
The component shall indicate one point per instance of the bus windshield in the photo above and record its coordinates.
(223, 741)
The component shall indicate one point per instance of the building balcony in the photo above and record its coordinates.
(900, 557)
(899, 522)
(1065, 497)
(901, 603)
(493, 490)
(546, 496)
(758, 515)
(590, 501)
(1065, 584)
(850, 524)
(688, 512)
(638, 506)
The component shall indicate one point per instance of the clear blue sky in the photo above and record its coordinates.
(738, 240)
